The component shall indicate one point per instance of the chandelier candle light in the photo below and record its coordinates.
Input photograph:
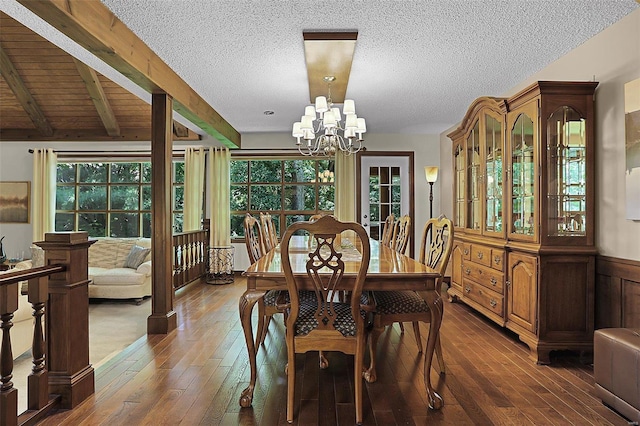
(333, 134)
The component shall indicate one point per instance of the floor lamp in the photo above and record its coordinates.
(431, 173)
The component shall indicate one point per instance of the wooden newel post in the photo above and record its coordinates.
(70, 374)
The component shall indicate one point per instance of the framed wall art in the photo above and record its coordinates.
(632, 147)
(15, 202)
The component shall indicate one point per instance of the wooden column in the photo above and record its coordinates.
(70, 374)
(162, 319)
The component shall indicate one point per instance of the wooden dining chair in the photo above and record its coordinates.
(401, 234)
(387, 231)
(325, 323)
(408, 306)
(267, 305)
(269, 233)
(253, 238)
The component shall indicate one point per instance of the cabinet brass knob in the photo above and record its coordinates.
(479, 255)
(467, 271)
(508, 283)
(494, 281)
(466, 251)
(493, 303)
(497, 260)
(467, 289)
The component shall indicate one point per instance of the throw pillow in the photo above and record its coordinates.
(136, 257)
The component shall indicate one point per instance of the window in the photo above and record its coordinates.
(289, 189)
(111, 199)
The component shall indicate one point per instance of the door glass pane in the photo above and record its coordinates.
(566, 173)
(473, 172)
(459, 175)
(384, 197)
(523, 174)
(493, 181)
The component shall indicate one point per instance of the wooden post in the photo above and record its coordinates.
(162, 319)
(70, 374)
(38, 380)
(8, 394)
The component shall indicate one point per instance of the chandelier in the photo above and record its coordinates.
(333, 134)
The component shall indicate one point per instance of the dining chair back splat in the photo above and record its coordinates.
(401, 234)
(325, 323)
(387, 232)
(269, 233)
(253, 238)
(409, 306)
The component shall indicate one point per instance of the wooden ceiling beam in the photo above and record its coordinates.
(22, 93)
(92, 25)
(180, 130)
(96, 92)
(329, 54)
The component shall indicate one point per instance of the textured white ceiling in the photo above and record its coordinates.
(417, 65)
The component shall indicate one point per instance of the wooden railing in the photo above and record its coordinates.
(190, 255)
(61, 376)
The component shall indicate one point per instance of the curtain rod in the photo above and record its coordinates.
(106, 155)
(113, 153)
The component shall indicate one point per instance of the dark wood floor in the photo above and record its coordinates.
(195, 375)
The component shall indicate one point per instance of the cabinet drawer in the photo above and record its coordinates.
(485, 297)
(483, 275)
(497, 259)
(481, 254)
(466, 251)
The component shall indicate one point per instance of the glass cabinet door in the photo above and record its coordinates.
(474, 208)
(523, 176)
(493, 174)
(566, 174)
(460, 182)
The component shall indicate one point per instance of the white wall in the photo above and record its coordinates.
(613, 58)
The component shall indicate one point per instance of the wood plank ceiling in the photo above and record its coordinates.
(48, 95)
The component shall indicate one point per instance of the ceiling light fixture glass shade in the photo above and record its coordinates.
(325, 121)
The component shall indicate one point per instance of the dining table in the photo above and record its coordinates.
(388, 270)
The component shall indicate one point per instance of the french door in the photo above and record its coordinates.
(385, 188)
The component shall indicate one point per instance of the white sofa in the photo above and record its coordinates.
(109, 278)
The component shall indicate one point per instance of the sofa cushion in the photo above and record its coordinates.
(37, 256)
(112, 252)
(116, 276)
(136, 256)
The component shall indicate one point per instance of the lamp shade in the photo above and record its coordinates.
(329, 120)
(349, 107)
(362, 125)
(310, 110)
(336, 113)
(431, 173)
(351, 122)
(306, 123)
(321, 104)
(297, 131)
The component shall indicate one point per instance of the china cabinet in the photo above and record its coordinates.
(524, 249)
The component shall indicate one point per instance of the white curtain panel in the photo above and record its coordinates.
(194, 160)
(220, 206)
(43, 192)
(345, 173)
